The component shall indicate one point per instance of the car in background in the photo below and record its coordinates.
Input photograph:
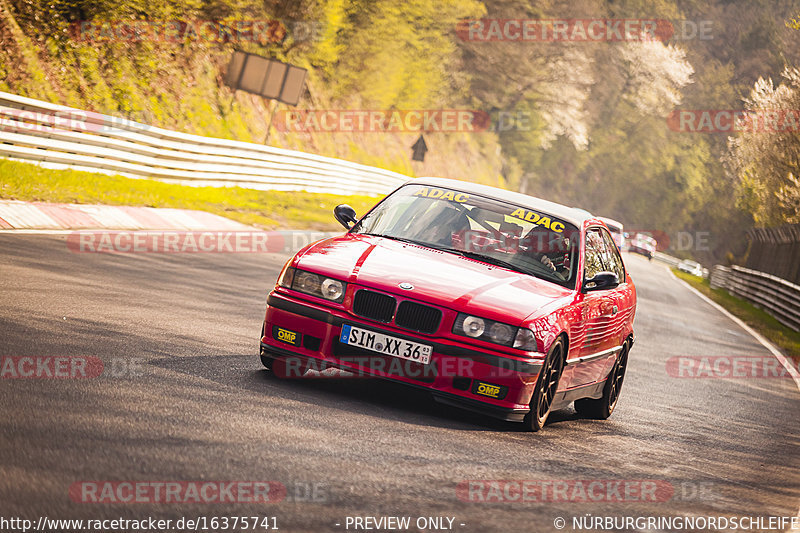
(691, 267)
(617, 231)
(643, 244)
(491, 300)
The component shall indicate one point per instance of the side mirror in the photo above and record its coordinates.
(345, 214)
(600, 281)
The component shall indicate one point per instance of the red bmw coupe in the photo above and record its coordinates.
(494, 301)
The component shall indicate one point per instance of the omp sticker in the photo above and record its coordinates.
(285, 335)
(487, 389)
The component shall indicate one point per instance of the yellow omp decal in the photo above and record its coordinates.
(287, 336)
(442, 194)
(539, 220)
(484, 389)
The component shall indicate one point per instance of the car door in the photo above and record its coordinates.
(622, 297)
(599, 310)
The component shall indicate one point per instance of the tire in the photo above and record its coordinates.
(267, 361)
(546, 387)
(602, 408)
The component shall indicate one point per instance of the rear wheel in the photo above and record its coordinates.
(602, 408)
(546, 387)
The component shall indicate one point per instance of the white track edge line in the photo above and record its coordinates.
(757, 336)
(785, 361)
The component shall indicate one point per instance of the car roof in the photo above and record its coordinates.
(574, 216)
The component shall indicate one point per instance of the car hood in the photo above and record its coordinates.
(439, 278)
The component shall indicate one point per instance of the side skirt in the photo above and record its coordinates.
(594, 390)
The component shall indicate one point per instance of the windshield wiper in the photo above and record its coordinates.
(488, 259)
(401, 239)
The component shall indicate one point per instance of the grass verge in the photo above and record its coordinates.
(784, 338)
(263, 209)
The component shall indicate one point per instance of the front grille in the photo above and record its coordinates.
(418, 317)
(374, 305)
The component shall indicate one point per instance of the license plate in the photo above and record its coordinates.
(386, 344)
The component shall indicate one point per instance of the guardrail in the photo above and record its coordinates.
(668, 259)
(776, 296)
(62, 137)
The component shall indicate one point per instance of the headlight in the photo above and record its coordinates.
(473, 326)
(313, 284)
(287, 277)
(525, 340)
(501, 333)
(483, 329)
(307, 282)
(332, 289)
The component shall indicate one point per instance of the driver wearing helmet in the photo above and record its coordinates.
(550, 248)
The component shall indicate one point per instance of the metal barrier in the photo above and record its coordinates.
(776, 251)
(668, 259)
(64, 137)
(776, 296)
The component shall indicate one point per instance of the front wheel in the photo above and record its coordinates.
(546, 387)
(602, 408)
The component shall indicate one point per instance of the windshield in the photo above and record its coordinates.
(481, 228)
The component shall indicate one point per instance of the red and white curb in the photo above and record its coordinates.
(124, 229)
(16, 215)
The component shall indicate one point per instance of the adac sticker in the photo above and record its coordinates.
(498, 392)
(539, 220)
(285, 335)
(442, 194)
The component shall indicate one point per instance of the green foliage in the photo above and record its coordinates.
(401, 54)
(595, 135)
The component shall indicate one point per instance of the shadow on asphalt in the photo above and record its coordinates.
(373, 397)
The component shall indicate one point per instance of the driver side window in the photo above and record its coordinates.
(602, 255)
(593, 261)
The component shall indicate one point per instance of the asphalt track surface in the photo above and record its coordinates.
(197, 405)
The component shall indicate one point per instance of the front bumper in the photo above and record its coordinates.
(492, 383)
